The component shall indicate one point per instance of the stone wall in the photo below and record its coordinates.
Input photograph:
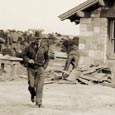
(93, 40)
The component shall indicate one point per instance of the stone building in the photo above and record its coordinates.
(97, 30)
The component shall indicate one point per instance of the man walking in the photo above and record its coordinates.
(36, 57)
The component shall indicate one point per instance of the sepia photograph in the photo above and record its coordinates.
(57, 57)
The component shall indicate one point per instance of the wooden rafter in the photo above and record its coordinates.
(101, 2)
(83, 14)
(80, 7)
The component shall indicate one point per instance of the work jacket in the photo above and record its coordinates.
(40, 56)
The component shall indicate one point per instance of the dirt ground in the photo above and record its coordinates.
(59, 99)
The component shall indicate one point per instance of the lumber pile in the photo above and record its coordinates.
(94, 74)
(86, 74)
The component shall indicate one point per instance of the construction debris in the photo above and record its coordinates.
(88, 74)
(96, 74)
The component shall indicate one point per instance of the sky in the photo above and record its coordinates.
(37, 14)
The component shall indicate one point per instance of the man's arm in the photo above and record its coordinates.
(46, 56)
(68, 62)
(25, 55)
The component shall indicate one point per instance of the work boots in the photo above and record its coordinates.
(32, 98)
(39, 105)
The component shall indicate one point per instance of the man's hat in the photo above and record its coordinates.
(38, 35)
(37, 38)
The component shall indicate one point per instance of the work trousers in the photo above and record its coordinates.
(36, 82)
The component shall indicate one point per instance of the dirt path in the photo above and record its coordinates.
(59, 99)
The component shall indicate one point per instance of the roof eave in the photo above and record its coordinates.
(80, 7)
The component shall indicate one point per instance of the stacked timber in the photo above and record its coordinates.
(86, 74)
(94, 74)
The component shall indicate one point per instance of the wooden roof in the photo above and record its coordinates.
(85, 5)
